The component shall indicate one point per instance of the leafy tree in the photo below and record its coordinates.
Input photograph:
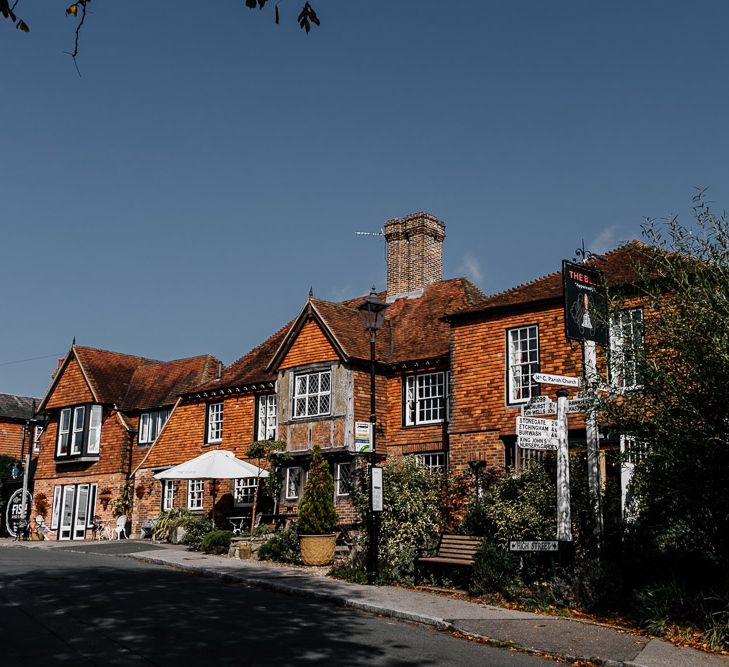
(306, 18)
(679, 419)
(317, 514)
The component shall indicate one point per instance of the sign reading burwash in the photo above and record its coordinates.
(533, 545)
(536, 433)
(585, 304)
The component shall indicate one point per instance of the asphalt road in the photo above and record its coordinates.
(63, 606)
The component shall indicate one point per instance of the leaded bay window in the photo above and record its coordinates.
(195, 493)
(522, 363)
(79, 431)
(626, 346)
(312, 394)
(214, 423)
(150, 424)
(244, 491)
(294, 482)
(425, 398)
(266, 428)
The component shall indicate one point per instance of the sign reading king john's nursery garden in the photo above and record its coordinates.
(585, 304)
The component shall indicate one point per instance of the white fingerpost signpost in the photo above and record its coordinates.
(564, 518)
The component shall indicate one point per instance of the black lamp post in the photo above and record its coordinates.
(371, 311)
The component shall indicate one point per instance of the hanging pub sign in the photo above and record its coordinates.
(585, 304)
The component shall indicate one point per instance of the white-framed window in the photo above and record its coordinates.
(37, 433)
(294, 482)
(64, 428)
(267, 427)
(312, 394)
(344, 479)
(150, 424)
(56, 507)
(77, 435)
(626, 346)
(79, 431)
(522, 361)
(168, 494)
(215, 423)
(434, 461)
(425, 398)
(244, 491)
(195, 493)
(94, 430)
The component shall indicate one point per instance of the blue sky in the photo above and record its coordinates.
(209, 166)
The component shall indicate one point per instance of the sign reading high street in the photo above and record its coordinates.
(533, 545)
(536, 433)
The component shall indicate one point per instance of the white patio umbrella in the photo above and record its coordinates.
(217, 464)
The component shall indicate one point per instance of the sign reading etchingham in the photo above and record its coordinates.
(533, 545)
(536, 433)
(562, 380)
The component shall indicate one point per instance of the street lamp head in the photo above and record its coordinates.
(371, 310)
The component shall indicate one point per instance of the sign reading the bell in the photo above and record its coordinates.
(376, 489)
(585, 303)
(362, 437)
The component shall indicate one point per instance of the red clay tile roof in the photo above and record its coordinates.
(160, 384)
(412, 330)
(250, 368)
(619, 267)
(134, 383)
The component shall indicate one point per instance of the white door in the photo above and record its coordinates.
(80, 518)
(64, 529)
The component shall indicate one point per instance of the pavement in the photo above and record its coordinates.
(568, 639)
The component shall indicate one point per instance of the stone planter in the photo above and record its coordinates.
(318, 549)
(245, 547)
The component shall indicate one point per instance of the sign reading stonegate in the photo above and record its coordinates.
(585, 304)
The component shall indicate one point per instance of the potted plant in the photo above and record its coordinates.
(317, 520)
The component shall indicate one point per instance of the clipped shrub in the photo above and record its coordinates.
(216, 542)
(196, 528)
(282, 547)
(411, 517)
(317, 514)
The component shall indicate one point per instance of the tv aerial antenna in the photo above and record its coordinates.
(380, 233)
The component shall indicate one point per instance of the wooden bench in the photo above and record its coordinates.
(452, 550)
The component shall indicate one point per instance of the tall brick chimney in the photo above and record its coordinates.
(414, 252)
